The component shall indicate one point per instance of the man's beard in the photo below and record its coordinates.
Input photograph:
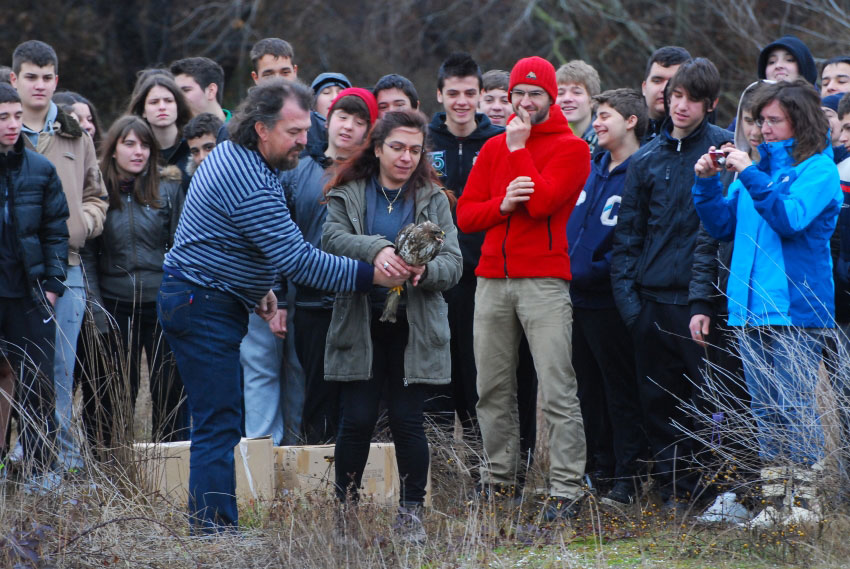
(540, 116)
(287, 160)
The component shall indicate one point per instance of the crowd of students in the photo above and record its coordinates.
(595, 245)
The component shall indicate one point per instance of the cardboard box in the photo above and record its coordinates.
(304, 469)
(164, 468)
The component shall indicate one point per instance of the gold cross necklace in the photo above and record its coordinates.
(386, 197)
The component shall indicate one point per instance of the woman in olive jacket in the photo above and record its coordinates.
(388, 185)
(144, 208)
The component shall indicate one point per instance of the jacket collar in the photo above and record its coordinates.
(667, 132)
(484, 129)
(14, 157)
(776, 155)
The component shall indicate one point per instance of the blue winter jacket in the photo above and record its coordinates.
(781, 217)
(590, 234)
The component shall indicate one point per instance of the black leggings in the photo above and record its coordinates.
(359, 401)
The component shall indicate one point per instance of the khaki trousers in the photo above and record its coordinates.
(540, 307)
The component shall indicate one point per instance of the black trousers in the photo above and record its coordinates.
(109, 399)
(668, 366)
(461, 301)
(28, 332)
(359, 401)
(320, 418)
(603, 359)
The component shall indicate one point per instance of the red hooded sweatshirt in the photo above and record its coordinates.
(532, 240)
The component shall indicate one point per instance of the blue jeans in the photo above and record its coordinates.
(781, 370)
(261, 356)
(70, 309)
(273, 380)
(204, 328)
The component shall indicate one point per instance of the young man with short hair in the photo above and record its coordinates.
(660, 67)
(651, 266)
(494, 100)
(835, 76)
(273, 58)
(578, 83)
(202, 82)
(603, 354)
(201, 134)
(58, 137)
(350, 117)
(395, 93)
(521, 192)
(33, 252)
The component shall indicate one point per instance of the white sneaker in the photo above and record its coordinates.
(768, 517)
(725, 510)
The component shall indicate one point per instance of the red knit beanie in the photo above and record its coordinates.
(364, 94)
(535, 71)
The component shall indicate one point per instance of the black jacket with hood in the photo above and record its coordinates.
(657, 224)
(805, 62)
(38, 212)
(452, 158)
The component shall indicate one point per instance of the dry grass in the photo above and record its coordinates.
(105, 519)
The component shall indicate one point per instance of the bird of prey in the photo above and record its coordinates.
(416, 245)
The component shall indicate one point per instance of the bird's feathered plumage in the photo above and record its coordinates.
(417, 245)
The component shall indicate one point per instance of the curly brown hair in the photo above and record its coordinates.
(801, 102)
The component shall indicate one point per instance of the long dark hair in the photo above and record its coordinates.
(146, 184)
(365, 164)
(66, 99)
(801, 102)
(140, 95)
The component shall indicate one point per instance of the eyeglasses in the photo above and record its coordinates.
(400, 148)
(771, 122)
(533, 95)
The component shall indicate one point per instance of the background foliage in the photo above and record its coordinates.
(102, 44)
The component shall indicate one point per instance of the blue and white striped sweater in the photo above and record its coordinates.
(235, 233)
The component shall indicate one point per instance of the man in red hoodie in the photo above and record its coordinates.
(521, 192)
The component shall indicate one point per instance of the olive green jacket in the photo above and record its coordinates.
(348, 351)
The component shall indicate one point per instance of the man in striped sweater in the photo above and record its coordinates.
(236, 234)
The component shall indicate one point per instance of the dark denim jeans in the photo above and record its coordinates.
(204, 328)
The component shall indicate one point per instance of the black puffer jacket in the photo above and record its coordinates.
(453, 158)
(135, 239)
(657, 225)
(39, 214)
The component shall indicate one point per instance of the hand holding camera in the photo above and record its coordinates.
(725, 158)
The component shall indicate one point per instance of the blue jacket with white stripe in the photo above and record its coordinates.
(590, 234)
(781, 217)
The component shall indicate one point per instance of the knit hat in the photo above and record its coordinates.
(535, 71)
(327, 80)
(365, 94)
(831, 101)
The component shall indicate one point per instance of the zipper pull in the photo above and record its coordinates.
(404, 379)
(679, 146)
(667, 174)
(460, 150)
